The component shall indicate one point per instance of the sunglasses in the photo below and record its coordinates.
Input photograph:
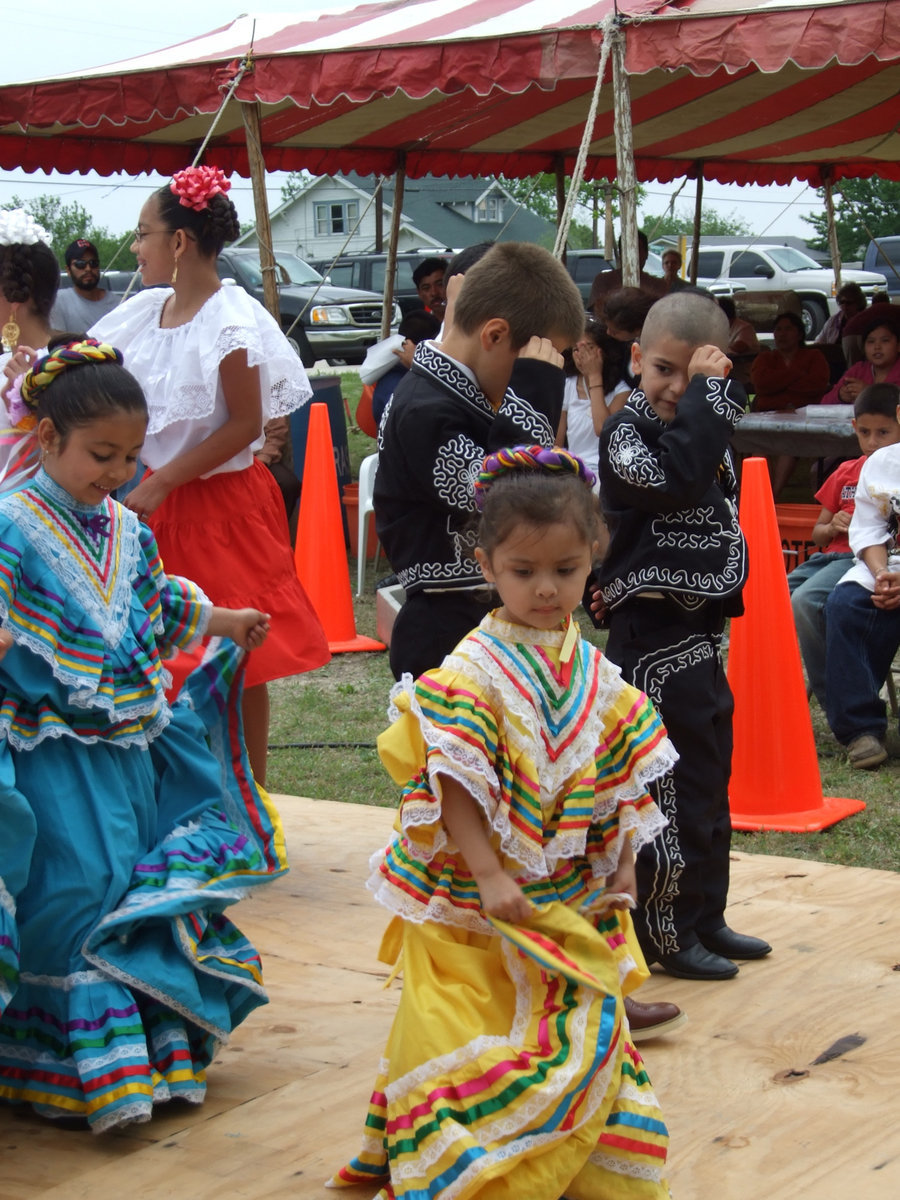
(80, 264)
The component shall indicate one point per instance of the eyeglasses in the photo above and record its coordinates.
(140, 234)
(80, 264)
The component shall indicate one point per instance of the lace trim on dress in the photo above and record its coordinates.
(229, 320)
(148, 731)
(523, 731)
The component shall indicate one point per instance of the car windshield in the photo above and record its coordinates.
(790, 259)
(290, 269)
(296, 270)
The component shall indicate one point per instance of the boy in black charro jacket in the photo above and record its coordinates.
(674, 571)
(517, 309)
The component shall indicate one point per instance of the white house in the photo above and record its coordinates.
(438, 214)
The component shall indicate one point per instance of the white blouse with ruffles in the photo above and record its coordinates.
(178, 368)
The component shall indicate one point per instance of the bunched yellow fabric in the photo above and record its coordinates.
(509, 1071)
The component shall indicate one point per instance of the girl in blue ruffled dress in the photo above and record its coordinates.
(126, 825)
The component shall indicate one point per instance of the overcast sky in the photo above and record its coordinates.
(48, 37)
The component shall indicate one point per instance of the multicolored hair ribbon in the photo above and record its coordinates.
(196, 186)
(22, 395)
(529, 458)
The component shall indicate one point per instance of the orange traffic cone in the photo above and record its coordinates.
(320, 555)
(775, 781)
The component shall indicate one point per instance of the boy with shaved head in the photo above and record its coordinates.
(674, 571)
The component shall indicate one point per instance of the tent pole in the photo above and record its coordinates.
(560, 172)
(698, 220)
(390, 265)
(626, 179)
(379, 218)
(250, 115)
(833, 243)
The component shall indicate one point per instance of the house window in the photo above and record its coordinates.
(336, 216)
(490, 209)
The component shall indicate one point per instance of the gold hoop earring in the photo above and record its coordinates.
(10, 331)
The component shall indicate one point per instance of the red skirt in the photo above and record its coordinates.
(229, 535)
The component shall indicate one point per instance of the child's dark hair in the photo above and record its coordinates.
(419, 326)
(29, 275)
(80, 382)
(531, 485)
(211, 228)
(627, 308)
(880, 399)
(466, 258)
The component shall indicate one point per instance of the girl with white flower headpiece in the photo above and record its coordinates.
(29, 278)
(215, 367)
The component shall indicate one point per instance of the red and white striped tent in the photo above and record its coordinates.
(742, 90)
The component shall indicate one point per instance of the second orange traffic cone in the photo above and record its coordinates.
(320, 555)
(775, 781)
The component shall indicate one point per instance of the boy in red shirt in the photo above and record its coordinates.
(876, 425)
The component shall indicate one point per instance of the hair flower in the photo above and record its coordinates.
(196, 186)
(21, 417)
(19, 228)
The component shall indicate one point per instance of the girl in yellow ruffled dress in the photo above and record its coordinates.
(509, 1072)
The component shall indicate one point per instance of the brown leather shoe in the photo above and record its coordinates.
(652, 1020)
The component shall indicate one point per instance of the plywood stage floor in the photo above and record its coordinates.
(783, 1085)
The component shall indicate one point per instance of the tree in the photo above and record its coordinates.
(711, 223)
(66, 222)
(538, 194)
(294, 184)
(863, 209)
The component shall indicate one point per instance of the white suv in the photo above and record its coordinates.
(760, 267)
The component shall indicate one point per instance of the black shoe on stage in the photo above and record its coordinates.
(697, 963)
(734, 945)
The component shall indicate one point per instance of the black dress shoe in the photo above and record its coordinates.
(697, 963)
(734, 945)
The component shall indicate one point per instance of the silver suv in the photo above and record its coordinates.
(766, 268)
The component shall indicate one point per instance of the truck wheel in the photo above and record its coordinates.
(814, 316)
(299, 343)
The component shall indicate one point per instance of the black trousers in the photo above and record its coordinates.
(682, 876)
(430, 624)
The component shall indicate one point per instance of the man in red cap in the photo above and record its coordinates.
(78, 308)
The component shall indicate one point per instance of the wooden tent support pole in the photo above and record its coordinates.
(625, 172)
(560, 173)
(698, 221)
(250, 115)
(379, 218)
(833, 243)
(390, 266)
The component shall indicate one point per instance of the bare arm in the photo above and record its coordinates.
(248, 627)
(829, 525)
(501, 896)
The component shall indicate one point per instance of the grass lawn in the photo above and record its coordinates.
(324, 726)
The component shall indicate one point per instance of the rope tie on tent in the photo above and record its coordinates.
(609, 27)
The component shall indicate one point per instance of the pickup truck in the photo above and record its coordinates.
(768, 268)
(338, 324)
